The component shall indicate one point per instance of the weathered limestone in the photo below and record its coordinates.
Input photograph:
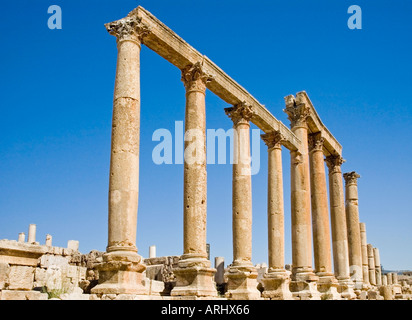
(220, 270)
(121, 270)
(48, 240)
(22, 237)
(378, 267)
(303, 279)
(365, 256)
(32, 234)
(327, 283)
(276, 281)
(241, 274)
(354, 238)
(152, 252)
(194, 275)
(338, 226)
(371, 264)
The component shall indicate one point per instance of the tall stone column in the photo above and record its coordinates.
(338, 226)
(303, 278)
(371, 264)
(276, 281)
(32, 234)
(327, 283)
(241, 274)
(378, 270)
(194, 275)
(121, 269)
(365, 257)
(352, 219)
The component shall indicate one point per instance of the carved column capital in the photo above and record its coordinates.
(129, 28)
(273, 139)
(195, 78)
(334, 163)
(351, 177)
(315, 142)
(297, 111)
(240, 113)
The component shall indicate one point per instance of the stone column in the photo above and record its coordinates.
(365, 256)
(327, 283)
(276, 280)
(31, 238)
(352, 218)
(384, 280)
(303, 278)
(371, 264)
(241, 274)
(22, 237)
(194, 275)
(389, 276)
(121, 269)
(378, 271)
(338, 226)
(152, 252)
(220, 270)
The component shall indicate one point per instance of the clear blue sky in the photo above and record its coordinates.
(56, 100)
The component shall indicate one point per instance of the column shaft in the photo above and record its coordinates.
(352, 219)
(338, 218)
(365, 259)
(320, 212)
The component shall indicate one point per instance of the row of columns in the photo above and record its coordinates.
(121, 269)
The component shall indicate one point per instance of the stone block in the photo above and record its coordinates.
(51, 260)
(21, 278)
(4, 275)
(22, 295)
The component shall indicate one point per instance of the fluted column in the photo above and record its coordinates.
(352, 219)
(242, 274)
(276, 280)
(365, 257)
(121, 269)
(194, 275)
(320, 217)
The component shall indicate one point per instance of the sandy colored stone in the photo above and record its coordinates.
(21, 278)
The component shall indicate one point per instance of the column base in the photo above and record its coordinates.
(120, 273)
(328, 287)
(194, 277)
(345, 288)
(276, 285)
(304, 284)
(242, 283)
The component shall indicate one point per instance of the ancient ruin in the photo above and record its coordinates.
(345, 265)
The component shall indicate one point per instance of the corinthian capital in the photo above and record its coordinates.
(195, 77)
(297, 113)
(241, 112)
(334, 163)
(351, 177)
(273, 139)
(129, 28)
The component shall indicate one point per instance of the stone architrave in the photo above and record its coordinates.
(365, 257)
(327, 283)
(338, 226)
(276, 280)
(122, 269)
(194, 275)
(303, 284)
(354, 238)
(241, 274)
